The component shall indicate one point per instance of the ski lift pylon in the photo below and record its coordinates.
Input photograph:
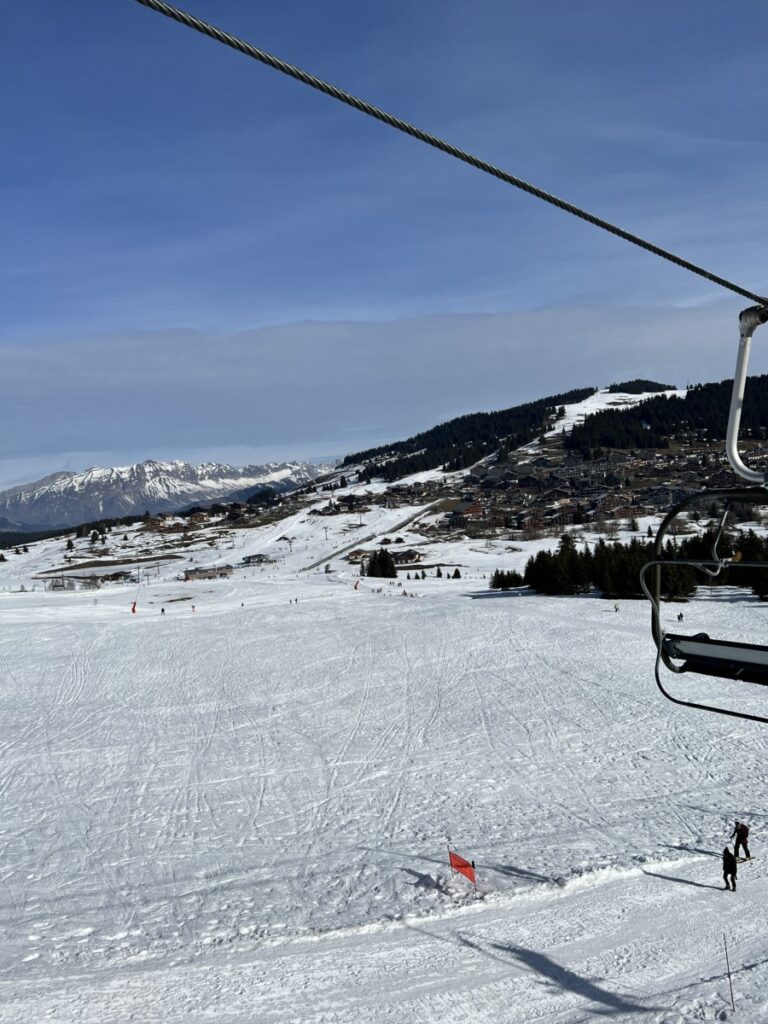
(699, 653)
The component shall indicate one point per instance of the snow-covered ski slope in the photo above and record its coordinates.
(241, 812)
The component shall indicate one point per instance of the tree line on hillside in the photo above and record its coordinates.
(14, 538)
(614, 569)
(450, 459)
(650, 424)
(639, 386)
(506, 580)
(474, 433)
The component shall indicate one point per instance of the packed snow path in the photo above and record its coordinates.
(241, 813)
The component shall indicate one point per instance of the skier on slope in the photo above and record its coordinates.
(741, 834)
(730, 867)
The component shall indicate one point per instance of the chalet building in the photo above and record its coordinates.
(208, 573)
(625, 512)
(468, 510)
(257, 559)
(560, 517)
(531, 520)
(556, 494)
(408, 556)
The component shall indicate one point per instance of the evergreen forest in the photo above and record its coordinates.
(701, 414)
(460, 442)
(614, 569)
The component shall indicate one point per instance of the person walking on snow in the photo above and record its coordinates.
(730, 867)
(741, 835)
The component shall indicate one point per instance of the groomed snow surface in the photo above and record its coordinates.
(241, 812)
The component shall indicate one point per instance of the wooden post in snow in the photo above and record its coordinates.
(728, 967)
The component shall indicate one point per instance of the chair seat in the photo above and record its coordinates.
(723, 658)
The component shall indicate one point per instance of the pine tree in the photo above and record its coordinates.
(381, 564)
(456, 574)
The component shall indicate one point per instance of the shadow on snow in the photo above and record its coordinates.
(682, 881)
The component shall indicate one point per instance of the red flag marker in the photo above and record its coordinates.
(464, 867)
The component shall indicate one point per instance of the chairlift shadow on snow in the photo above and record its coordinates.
(726, 820)
(426, 881)
(682, 881)
(496, 595)
(567, 980)
(556, 975)
(690, 849)
(503, 869)
(511, 869)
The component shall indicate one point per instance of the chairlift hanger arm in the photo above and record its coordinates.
(706, 707)
(728, 495)
(747, 495)
(749, 320)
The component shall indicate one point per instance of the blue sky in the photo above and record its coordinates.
(205, 259)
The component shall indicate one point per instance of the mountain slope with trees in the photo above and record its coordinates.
(460, 442)
(652, 423)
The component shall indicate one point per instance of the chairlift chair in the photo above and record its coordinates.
(699, 653)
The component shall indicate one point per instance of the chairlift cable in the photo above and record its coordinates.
(431, 140)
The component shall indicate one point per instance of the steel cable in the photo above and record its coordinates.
(431, 140)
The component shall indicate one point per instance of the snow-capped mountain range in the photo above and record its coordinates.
(66, 499)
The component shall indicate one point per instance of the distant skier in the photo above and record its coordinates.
(133, 608)
(741, 835)
(162, 611)
(730, 867)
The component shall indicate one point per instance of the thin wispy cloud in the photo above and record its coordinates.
(258, 266)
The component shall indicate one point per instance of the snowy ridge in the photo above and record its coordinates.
(64, 499)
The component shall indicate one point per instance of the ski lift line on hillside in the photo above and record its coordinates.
(699, 653)
(431, 140)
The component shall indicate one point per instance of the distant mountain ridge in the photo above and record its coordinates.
(67, 498)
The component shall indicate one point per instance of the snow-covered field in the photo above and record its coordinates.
(241, 812)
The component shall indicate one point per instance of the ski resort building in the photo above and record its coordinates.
(210, 573)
